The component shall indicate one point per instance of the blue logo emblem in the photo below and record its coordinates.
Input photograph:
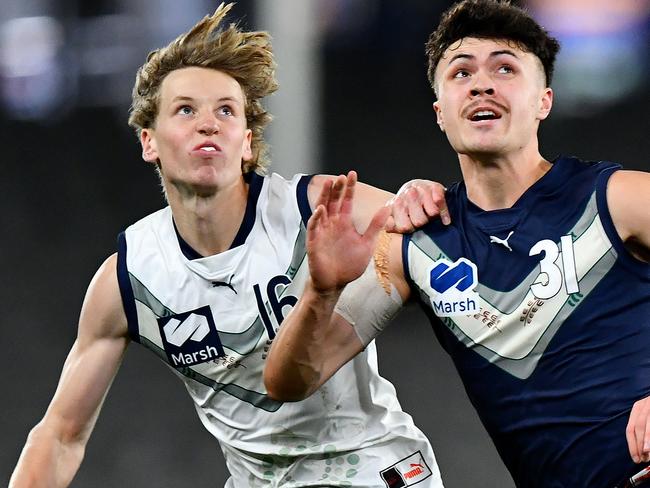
(460, 275)
(453, 287)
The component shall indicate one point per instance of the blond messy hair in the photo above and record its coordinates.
(246, 56)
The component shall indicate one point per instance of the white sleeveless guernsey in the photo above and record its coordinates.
(212, 320)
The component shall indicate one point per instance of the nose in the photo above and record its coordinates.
(482, 85)
(208, 125)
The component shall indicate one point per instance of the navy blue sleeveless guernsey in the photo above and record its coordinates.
(547, 319)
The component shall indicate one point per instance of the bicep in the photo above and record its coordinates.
(93, 360)
(367, 200)
(85, 379)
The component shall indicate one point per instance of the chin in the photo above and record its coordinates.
(480, 152)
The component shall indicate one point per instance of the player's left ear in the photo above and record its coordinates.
(149, 146)
(439, 118)
(545, 103)
(247, 152)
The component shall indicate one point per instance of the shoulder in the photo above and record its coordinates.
(628, 180)
(102, 313)
(628, 200)
(154, 219)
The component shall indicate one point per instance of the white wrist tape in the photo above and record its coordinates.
(368, 304)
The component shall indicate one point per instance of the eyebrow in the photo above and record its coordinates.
(182, 98)
(493, 54)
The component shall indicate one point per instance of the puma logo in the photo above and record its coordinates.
(503, 242)
(227, 284)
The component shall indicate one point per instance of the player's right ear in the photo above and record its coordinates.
(149, 145)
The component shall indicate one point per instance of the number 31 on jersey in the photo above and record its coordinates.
(549, 281)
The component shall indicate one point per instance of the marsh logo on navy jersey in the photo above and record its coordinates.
(191, 337)
(453, 287)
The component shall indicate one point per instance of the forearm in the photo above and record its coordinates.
(47, 460)
(296, 363)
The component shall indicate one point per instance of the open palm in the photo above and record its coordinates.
(337, 252)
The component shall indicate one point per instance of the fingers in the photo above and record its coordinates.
(638, 431)
(315, 225)
(438, 199)
(417, 203)
(348, 196)
(425, 194)
(420, 206)
(335, 198)
(316, 218)
(399, 215)
(325, 193)
(376, 224)
(407, 212)
(337, 194)
(390, 226)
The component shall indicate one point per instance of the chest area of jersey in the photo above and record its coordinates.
(507, 296)
(225, 319)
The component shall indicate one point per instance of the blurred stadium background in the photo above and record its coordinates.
(353, 95)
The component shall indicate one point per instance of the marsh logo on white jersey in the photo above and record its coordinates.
(453, 287)
(190, 337)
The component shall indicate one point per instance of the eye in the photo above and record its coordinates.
(505, 69)
(461, 73)
(226, 110)
(185, 110)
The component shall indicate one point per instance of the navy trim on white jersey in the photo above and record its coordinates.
(188, 251)
(254, 188)
(303, 200)
(255, 183)
(126, 290)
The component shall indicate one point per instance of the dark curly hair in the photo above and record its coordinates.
(491, 19)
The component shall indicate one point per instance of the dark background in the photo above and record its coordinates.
(72, 179)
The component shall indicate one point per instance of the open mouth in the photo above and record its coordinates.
(206, 147)
(480, 115)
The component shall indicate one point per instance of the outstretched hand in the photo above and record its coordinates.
(337, 252)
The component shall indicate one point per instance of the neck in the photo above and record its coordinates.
(497, 182)
(209, 222)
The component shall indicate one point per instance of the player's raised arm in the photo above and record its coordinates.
(314, 340)
(55, 446)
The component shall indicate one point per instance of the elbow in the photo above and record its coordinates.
(283, 389)
(67, 438)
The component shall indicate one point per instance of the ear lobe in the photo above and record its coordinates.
(149, 149)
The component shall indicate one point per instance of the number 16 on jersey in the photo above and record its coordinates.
(276, 301)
